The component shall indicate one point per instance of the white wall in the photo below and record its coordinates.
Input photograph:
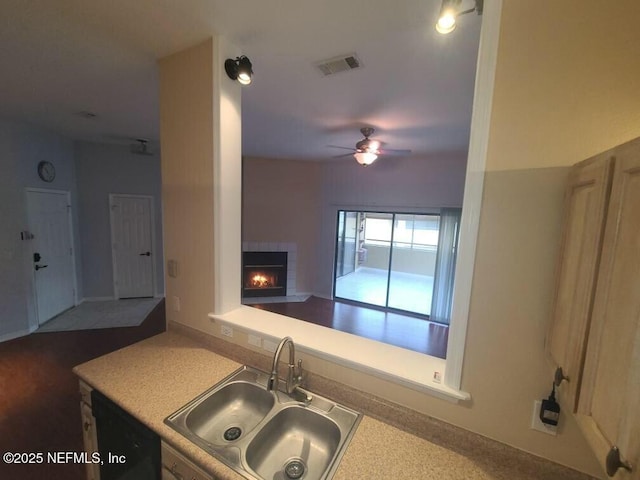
(102, 169)
(22, 147)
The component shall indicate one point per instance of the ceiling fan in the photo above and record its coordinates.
(367, 150)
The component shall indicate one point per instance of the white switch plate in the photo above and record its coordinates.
(255, 340)
(176, 303)
(536, 423)
(226, 330)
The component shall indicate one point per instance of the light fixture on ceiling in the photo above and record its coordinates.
(239, 69)
(367, 149)
(365, 158)
(449, 13)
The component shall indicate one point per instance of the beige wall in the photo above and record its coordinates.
(275, 192)
(567, 82)
(566, 88)
(281, 203)
(186, 130)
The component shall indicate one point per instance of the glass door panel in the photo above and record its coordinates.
(413, 262)
(368, 281)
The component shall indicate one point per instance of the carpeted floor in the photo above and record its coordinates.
(102, 314)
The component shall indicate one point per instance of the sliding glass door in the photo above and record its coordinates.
(402, 261)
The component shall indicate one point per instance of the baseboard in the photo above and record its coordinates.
(21, 333)
(97, 299)
(319, 295)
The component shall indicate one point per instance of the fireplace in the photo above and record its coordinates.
(264, 274)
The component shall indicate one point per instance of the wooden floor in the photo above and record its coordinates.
(400, 330)
(39, 400)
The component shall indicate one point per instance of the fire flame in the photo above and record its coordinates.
(260, 281)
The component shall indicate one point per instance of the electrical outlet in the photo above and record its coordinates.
(536, 423)
(175, 303)
(255, 340)
(269, 346)
(226, 330)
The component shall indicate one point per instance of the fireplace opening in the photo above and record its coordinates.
(264, 274)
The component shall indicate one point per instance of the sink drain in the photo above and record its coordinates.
(294, 469)
(233, 433)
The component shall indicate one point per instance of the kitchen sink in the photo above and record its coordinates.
(230, 412)
(267, 434)
(294, 441)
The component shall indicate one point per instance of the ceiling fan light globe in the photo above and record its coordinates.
(365, 158)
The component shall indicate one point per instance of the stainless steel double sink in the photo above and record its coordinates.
(267, 434)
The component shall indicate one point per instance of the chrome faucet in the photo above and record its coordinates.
(294, 375)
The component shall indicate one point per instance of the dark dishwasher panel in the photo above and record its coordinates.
(121, 435)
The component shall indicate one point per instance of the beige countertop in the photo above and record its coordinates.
(157, 376)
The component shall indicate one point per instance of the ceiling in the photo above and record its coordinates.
(63, 57)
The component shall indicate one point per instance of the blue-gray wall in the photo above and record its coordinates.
(90, 172)
(102, 169)
(22, 147)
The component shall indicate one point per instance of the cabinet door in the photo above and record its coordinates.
(585, 208)
(176, 466)
(609, 406)
(90, 440)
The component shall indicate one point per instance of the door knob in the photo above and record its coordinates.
(38, 267)
(614, 463)
(145, 254)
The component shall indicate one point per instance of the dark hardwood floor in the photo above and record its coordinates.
(39, 400)
(403, 331)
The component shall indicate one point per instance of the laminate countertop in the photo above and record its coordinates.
(154, 378)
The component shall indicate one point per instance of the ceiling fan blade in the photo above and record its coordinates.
(343, 148)
(343, 155)
(393, 151)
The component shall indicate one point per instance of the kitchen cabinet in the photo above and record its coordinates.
(585, 209)
(595, 331)
(609, 405)
(177, 467)
(89, 435)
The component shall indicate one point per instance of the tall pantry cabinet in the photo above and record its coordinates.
(594, 335)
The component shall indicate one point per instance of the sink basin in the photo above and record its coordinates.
(230, 413)
(268, 435)
(295, 442)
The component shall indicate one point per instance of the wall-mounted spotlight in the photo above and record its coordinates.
(239, 69)
(449, 13)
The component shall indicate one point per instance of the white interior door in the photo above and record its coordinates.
(131, 243)
(49, 216)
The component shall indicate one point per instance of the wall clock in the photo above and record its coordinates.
(46, 171)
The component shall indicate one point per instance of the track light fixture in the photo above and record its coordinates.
(239, 69)
(449, 13)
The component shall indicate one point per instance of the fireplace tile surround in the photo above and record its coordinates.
(292, 254)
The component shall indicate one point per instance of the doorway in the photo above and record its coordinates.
(132, 245)
(52, 252)
(397, 261)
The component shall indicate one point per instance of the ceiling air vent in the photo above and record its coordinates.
(339, 64)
